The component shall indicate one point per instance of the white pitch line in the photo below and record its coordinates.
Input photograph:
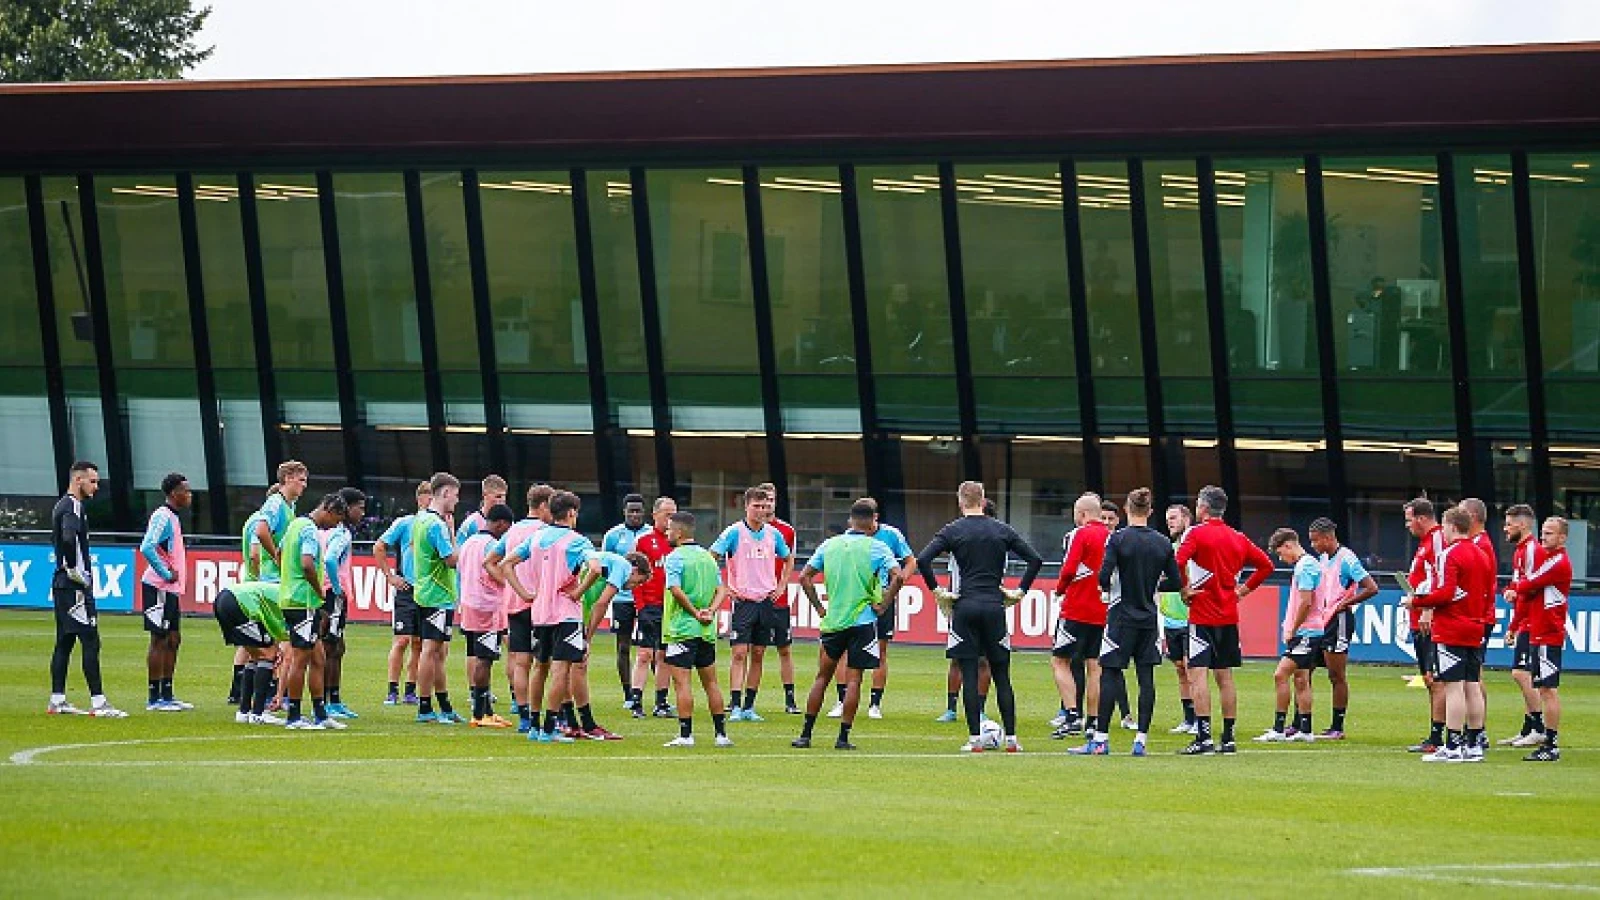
(664, 757)
(1460, 874)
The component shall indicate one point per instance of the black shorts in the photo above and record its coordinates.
(1453, 663)
(160, 609)
(858, 645)
(694, 653)
(1125, 645)
(1544, 664)
(778, 626)
(1076, 641)
(1341, 629)
(1214, 646)
(750, 623)
(238, 629)
(1521, 652)
(438, 623)
(1177, 643)
(562, 642)
(1422, 645)
(519, 632)
(407, 616)
(647, 627)
(1305, 650)
(335, 615)
(302, 627)
(482, 644)
(74, 606)
(979, 630)
(622, 617)
(885, 624)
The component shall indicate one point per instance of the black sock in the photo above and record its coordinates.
(1471, 736)
(444, 702)
(264, 688)
(983, 702)
(424, 706)
(811, 722)
(788, 695)
(661, 697)
(686, 727)
(844, 732)
(294, 710)
(1227, 730)
(749, 699)
(1550, 738)
(394, 688)
(586, 717)
(736, 699)
(411, 687)
(333, 695)
(1188, 712)
(319, 710)
(549, 721)
(1537, 720)
(238, 681)
(1091, 724)
(166, 688)
(1278, 719)
(1338, 719)
(950, 700)
(877, 697)
(637, 695)
(155, 690)
(1203, 730)
(719, 721)
(839, 688)
(1436, 733)
(1302, 722)
(1453, 739)
(244, 687)
(569, 713)
(476, 693)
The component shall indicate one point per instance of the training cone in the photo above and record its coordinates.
(1415, 681)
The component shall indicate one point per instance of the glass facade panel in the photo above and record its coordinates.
(931, 470)
(802, 213)
(1491, 296)
(908, 297)
(152, 344)
(708, 336)
(444, 215)
(713, 473)
(1282, 484)
(232, 341)
(296, 281)
(1265, 242)
(63, 222)
(616, 265)
(1019, 317)
(825, 478)
(1565, 191)
(385, 341)
(1118, 362)
(1386, 272)
(1033, 482)
(28, 477)
(1177, 278)
(1575, 472)
(538, 307)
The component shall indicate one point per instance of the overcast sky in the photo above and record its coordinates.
(331, 38)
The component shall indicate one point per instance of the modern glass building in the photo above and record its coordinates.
(1328, 282)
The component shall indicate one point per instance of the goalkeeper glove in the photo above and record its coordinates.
(1013, 597)
(946, 601)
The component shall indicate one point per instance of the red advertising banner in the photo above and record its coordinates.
(917, 617)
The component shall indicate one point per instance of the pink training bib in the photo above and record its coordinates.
(553, 582)
(482, 607)
(514, 538)
(751, 574)
(1328, 595)
(172, 556)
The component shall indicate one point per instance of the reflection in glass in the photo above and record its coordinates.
(1565, 191)
(1177, 278)
(1019, 317)
(151, 343)
(28, 477)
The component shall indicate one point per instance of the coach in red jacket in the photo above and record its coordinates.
(1212, 556)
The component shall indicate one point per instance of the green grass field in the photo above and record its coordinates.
(194, 804)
